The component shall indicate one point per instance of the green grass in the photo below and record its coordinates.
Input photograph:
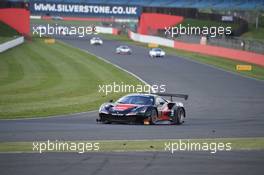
(38, 79)
(248, 144)
(5, 39)
(254, 34)
(219, 62)
(6, 33)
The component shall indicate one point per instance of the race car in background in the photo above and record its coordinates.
(96, 41)
(156, 52)
(123, 50)
(144, 109)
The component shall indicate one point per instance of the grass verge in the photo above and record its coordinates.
(254, 34)
(39, 79)
(6, 33)
(143, 145)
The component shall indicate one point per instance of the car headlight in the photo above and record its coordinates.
(103, 110)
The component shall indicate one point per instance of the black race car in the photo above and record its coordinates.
(144, 109)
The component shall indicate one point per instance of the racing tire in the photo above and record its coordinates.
(179, 116)
(153, 116)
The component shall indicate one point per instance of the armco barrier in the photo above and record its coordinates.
(10, 44)
(233, 54)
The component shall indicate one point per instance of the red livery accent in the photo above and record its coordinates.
(17, 19)
(122, 107)
(165, 113)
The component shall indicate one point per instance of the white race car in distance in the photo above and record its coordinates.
(96, 41)
(123, 50)
(156, 52)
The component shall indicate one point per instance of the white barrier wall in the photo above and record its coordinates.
(10, 44)
(104, 29)
(35, 17)
(108, 30)
(151, 39)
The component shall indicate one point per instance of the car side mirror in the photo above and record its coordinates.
(111, 101)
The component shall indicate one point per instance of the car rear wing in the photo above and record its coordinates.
(172, 95)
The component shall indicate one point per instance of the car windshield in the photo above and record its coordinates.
(137, 99)
(157, 49)
(124, 47)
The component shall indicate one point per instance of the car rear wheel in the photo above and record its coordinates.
(154, 116)
(179, 116)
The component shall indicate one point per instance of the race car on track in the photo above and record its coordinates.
(96, 41)
(144, 109)
(123, 50)
(156, 52)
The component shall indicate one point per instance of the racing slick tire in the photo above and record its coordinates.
(153, 116)
(179, 116)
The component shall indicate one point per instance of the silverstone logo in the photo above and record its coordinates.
(85, 9)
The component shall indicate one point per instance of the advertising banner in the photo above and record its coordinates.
(76, 9)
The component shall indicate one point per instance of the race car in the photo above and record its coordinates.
(144, 109)
(96, 41)
(156, 52)
(123, 50)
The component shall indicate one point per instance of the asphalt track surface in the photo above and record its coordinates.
(138, 163)
(221, 104)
